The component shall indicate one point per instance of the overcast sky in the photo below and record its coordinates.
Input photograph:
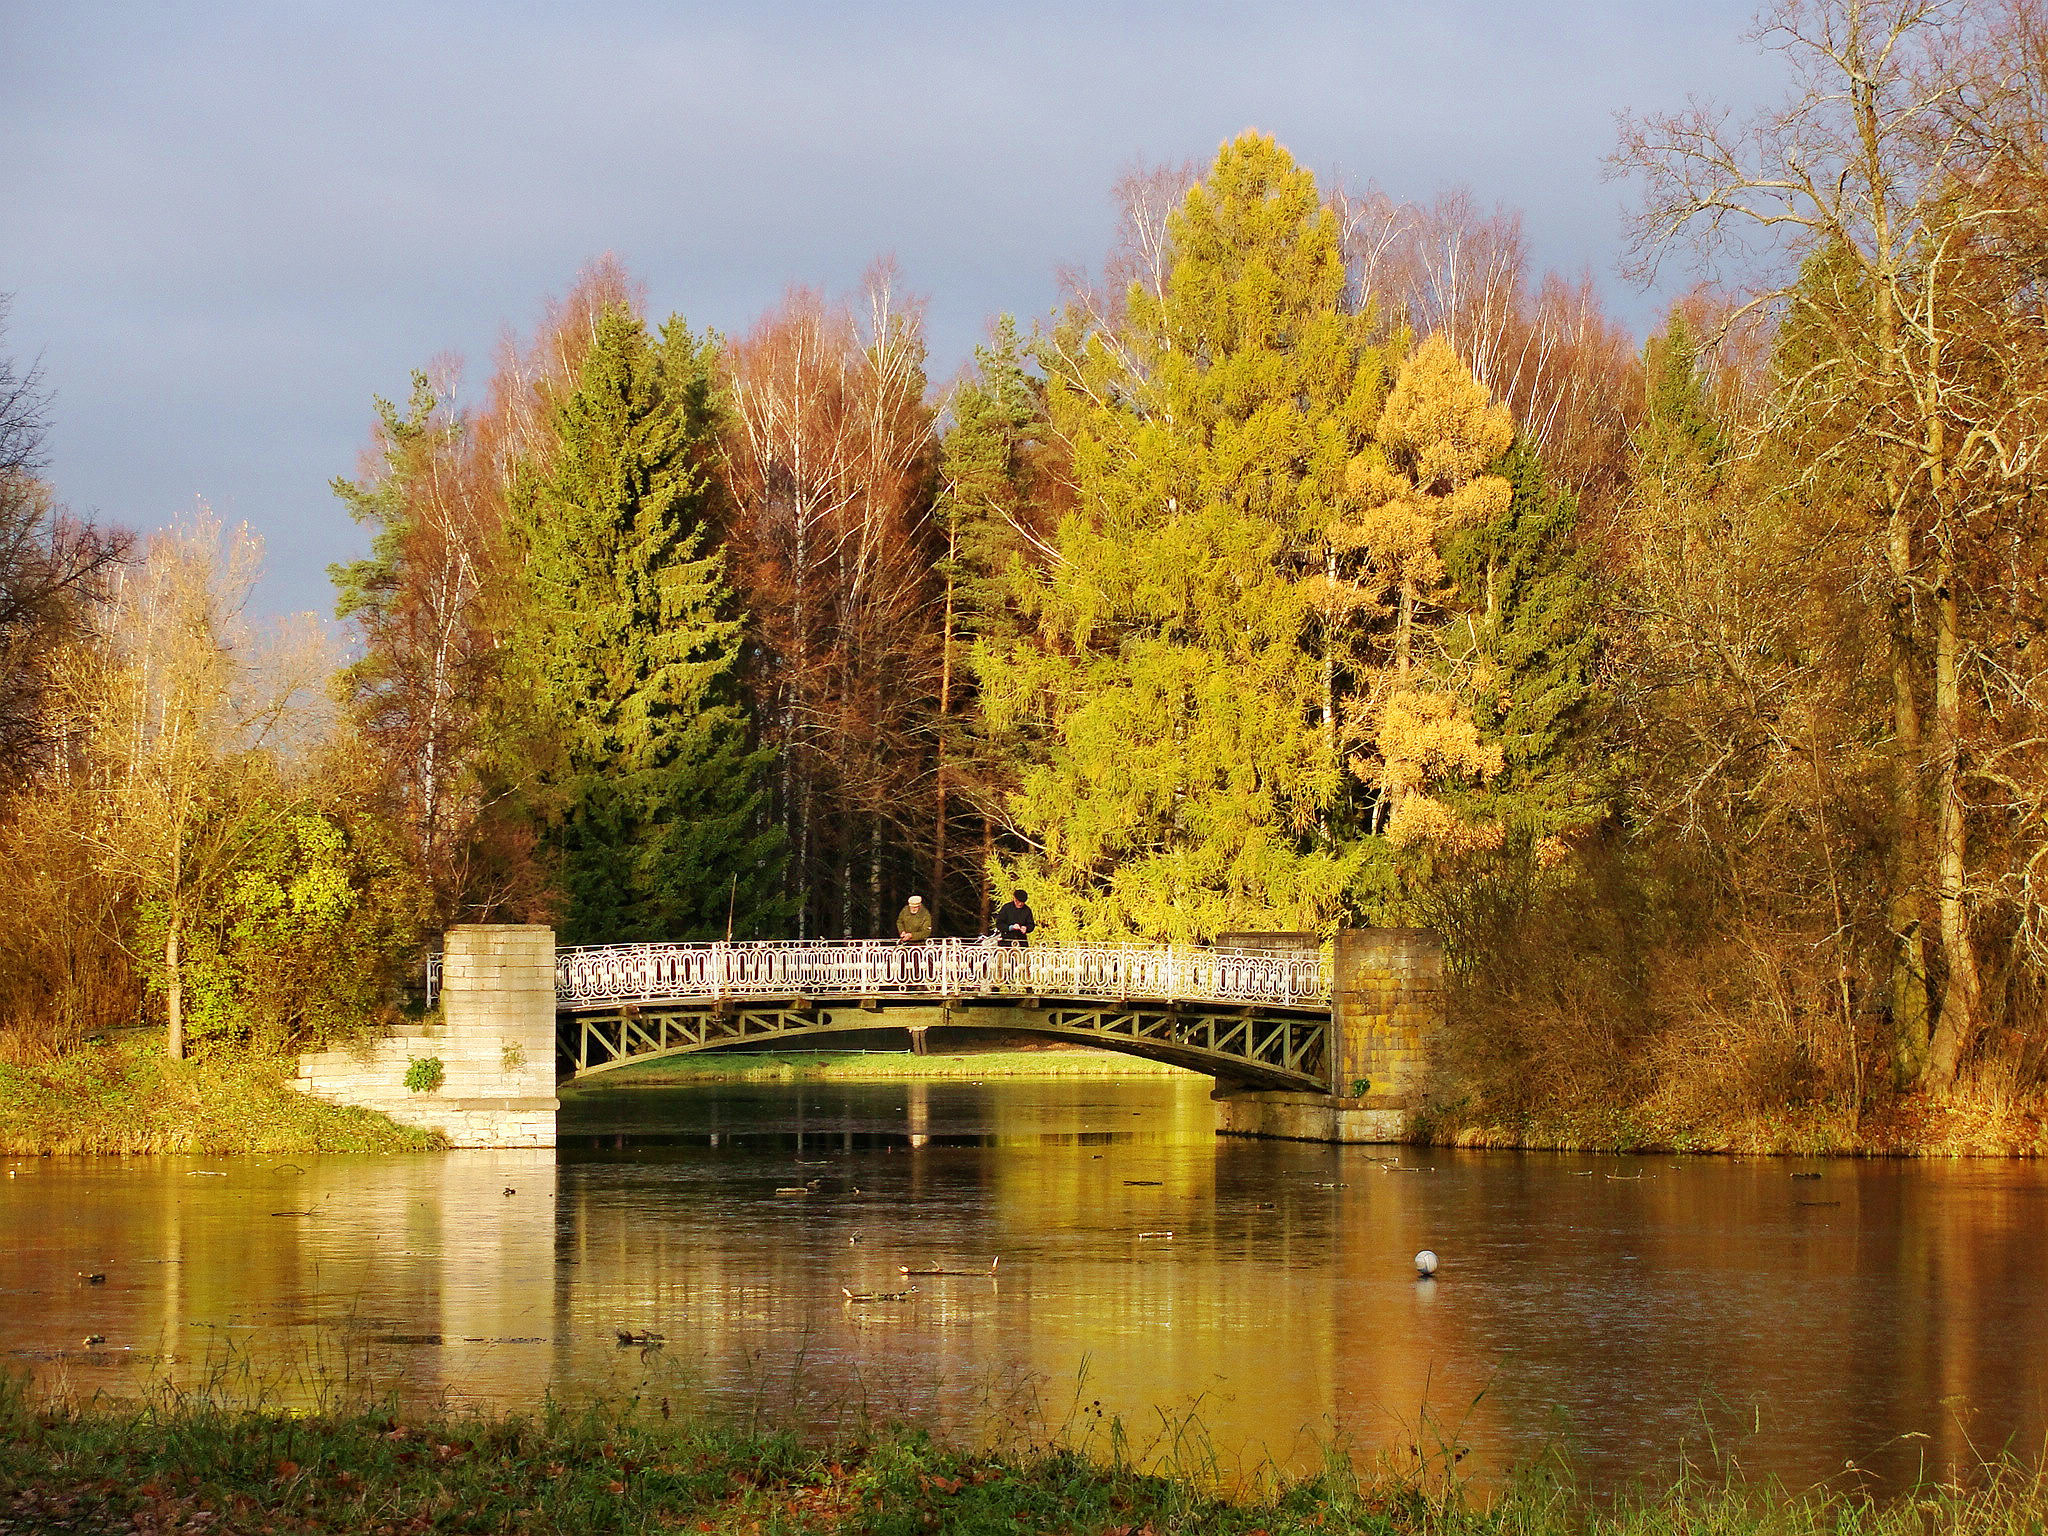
(226, 227)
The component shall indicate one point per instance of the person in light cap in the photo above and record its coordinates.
(914, 922)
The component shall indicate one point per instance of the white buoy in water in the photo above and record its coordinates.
(1425, 1265)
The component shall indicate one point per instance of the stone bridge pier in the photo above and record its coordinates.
(1387, 1000)
(495, 1043)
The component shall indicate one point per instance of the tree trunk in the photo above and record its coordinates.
(1404, 630)
(803, 856)
(174, 994)
(1841, 939)
(938, 891)
(1955, 1028)
(988, 853)
(1909, 999)
(1335, 757)
(881, 926)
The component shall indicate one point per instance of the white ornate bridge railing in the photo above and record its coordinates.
(598, 975)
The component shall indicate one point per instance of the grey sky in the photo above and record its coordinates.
(227, 226)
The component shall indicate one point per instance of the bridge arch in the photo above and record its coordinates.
(1245, 1046)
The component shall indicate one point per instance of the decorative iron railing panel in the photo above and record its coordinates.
(601, 975)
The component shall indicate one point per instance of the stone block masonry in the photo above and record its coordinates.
(495, 1042)
(1387, 999)
(1387, 1002)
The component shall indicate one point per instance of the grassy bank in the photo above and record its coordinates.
(128, 1098)
(882, 1066)
(183, 1465)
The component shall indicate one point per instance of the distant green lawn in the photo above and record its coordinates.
(876, 1066)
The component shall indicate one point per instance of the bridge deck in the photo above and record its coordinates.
(606, 976)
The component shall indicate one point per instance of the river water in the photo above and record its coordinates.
(1866, 1323)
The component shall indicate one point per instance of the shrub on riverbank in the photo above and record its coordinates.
(179, 1463)
(127, 1098)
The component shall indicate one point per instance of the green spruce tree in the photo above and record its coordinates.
(994, 491)
(1526, 639)
(993, 505)
(1680, 434)
(627, 639)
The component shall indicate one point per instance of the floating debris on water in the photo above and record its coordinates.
(936, 1270)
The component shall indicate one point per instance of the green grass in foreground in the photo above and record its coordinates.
(183, 1465)
(862, 1066)
(128, 1098)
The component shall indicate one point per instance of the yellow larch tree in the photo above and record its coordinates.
(1423, 477)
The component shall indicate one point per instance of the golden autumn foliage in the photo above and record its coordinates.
(1422, 478)
(1426, 740)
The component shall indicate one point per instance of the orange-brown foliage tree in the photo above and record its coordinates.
(834, 550)
(433, 600)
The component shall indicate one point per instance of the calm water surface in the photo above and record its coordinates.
(1885, 1315)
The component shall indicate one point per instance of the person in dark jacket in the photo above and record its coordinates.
(1014, 921)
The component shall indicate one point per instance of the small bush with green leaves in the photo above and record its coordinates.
(424, 1074)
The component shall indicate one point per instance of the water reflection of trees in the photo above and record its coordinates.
(1635, 1304)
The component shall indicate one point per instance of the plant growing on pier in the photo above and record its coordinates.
(424, 1074)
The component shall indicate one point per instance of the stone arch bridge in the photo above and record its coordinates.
(1319, 1044)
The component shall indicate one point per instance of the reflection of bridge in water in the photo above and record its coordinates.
(1255, 1017)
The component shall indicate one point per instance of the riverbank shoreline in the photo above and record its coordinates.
(181, 1462)
(1914, 1126)
(127, 1099)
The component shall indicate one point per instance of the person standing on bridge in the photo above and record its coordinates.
(1014, 921)
(914, 922)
